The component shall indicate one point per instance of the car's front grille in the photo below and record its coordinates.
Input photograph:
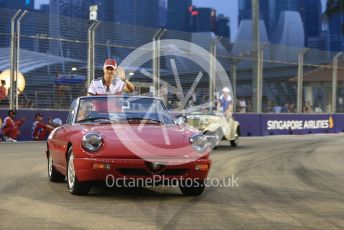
(174, 172)
(144, 172)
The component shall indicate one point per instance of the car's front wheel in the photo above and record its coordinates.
(53, 174)
(191, 187)
(75, 187)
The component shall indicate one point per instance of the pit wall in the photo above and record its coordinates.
(251, 124)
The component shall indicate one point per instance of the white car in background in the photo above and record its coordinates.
(214, 123)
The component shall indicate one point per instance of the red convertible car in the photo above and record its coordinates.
(126, 138)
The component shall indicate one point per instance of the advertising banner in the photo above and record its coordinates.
(281, 124)
(250, 124)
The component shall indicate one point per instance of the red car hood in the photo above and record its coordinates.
(145, 141)
(146, 133)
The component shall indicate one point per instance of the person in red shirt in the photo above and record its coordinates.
(39, 129)
(11, 129)
(3, 91)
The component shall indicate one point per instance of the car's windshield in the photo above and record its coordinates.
(118, 109)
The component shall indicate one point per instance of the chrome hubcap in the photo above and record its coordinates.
(218, 137)
(71, 172)
(236, 138)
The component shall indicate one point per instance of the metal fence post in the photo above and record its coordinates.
(236, 62)
(256, 50)
(334, 81)
(13, 59)
(17, 58)
(156, 60)
(90, 52)
(234, 85)
(212, 71)
(260, 79)
(300, 80)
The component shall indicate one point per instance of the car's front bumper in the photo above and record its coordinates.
(93, 169)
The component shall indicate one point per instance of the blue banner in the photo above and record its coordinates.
(250, 124)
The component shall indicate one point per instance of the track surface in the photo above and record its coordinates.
(285, 182)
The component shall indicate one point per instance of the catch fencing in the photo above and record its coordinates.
(58, 56)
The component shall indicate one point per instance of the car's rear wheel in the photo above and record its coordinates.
(235, 142)
(75, 187)
(191, 187)
(53, 174)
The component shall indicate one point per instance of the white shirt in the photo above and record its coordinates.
(97, 87)
(225, 102)
(242, 103)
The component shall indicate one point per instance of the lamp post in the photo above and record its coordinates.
(212, 70)
(91, 43)
(256, 50)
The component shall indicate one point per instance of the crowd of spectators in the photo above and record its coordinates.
(10, 127)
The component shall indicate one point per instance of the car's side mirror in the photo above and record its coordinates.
(57, 122)
(180, 121)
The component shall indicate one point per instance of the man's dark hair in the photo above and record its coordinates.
(3, 82)
(10, 112)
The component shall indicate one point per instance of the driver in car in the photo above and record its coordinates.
(85, 110)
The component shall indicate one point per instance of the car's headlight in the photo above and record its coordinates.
(200, 143)
(92, 142)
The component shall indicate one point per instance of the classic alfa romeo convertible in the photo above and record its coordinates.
(127, 138)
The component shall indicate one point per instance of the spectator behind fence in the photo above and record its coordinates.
(291, 108)
(40, 131)
(269, 107)
(340, 108)
(242, 105)
(11, 129)
(308, 107)
(285, 108)
(318, 108)
(3, 92)
(277, 109)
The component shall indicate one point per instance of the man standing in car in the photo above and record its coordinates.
(113, 82)
(225, 102)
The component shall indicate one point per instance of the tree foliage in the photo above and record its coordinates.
(334, 6)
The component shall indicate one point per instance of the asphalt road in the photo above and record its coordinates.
(289, 182)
